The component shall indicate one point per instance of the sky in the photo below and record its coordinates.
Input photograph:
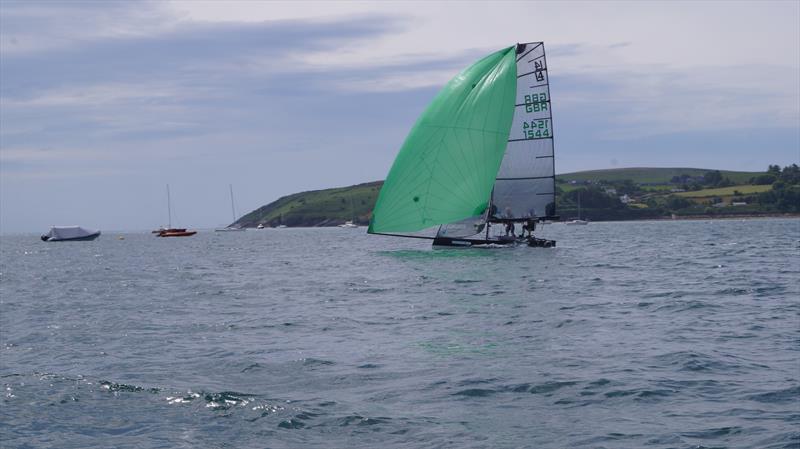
(102, 104)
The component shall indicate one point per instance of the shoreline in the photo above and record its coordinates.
(677, 218)
(717, 217)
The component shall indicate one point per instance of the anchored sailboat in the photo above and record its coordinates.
(231, 227)
(169, 231)
(480, 155)
(579, 220)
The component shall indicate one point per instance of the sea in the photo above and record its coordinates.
(660, 334)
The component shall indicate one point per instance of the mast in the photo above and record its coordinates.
(169, 210)
(233, 208)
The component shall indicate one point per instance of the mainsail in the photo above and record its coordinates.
(482, 151)
(525, 184)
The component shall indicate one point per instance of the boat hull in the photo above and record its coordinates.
(466, 243)
(85, 238)
(177, 234)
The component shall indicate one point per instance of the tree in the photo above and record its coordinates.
(763, 180)
(712, 178)
(791, 174)
(675, 202)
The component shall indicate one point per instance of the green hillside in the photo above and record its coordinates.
(644, 175)
(331, 207)
(328, 207)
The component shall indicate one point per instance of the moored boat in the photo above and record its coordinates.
(231, 226)
(67, 233)
(169, 231)
(175, 232)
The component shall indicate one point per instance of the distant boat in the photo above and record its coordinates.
(260, 226)
(349, 223)
(578, 221)
(233, 212)
(281, 225)
(73, 233)
(175, 232)
(169, 231)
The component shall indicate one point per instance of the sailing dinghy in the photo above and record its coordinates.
(479, 160)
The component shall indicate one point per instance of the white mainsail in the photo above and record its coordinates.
(525, 184)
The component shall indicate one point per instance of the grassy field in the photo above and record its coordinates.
(725, 191)
(652, 175)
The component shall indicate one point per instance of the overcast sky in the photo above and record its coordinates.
(104, 103)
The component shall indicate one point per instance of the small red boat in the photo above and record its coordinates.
(169, 231)
(175, 232)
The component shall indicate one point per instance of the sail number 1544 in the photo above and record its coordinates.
(536, 129)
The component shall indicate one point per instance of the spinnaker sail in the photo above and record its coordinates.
(481, 152)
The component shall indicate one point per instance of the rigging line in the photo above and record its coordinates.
(539, 44)
(402, 235)
(544, 157)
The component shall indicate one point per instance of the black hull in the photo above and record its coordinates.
(466, 243)
(77, 239)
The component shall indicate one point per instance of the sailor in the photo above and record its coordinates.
(510, 229)
(530, 226)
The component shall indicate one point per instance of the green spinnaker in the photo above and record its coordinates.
(447, 165)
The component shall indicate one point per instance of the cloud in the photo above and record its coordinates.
(29, 26)
(661, 100)
(287, 96)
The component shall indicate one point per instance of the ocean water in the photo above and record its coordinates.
(673, 334)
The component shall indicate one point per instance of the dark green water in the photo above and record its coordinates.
(627, 335)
